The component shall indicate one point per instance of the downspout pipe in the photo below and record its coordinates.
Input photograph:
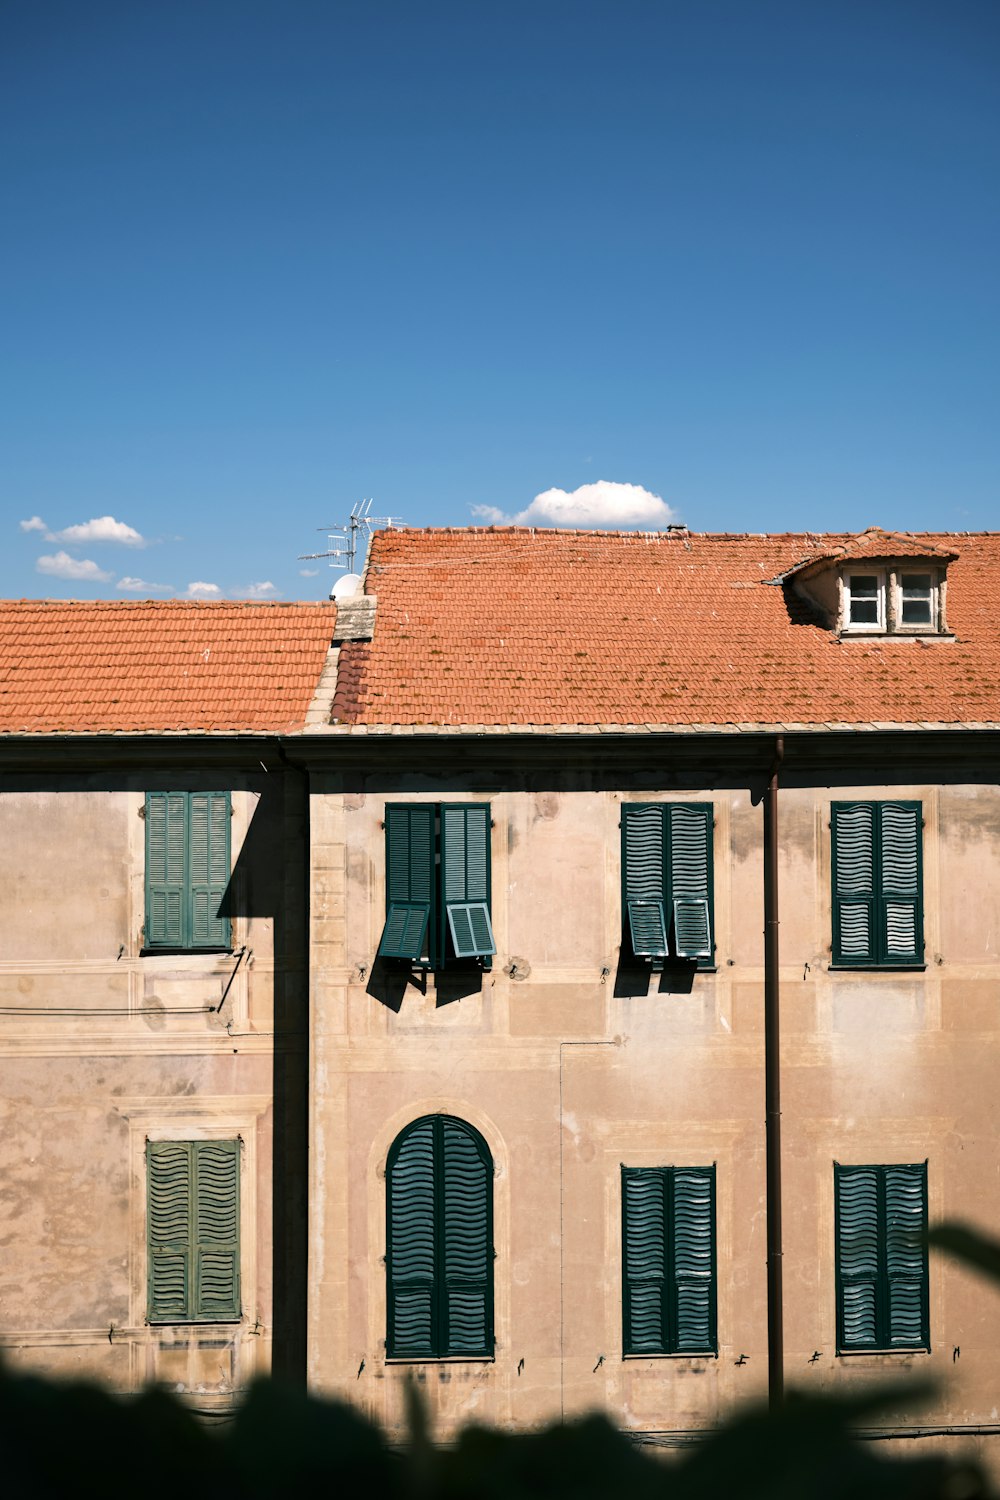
(772, 1092)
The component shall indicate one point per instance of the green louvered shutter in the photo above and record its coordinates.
(465, 865)
(693, 1246)
(907, 1322)
(877, 883)
(857, 1210)
(168, 1231)
(409, 879)
(854, 835)
(901, 920)
(668, 1258)
(439, 1265)
(691, 883)
(882, 1300)
(216, 1239)
(166, 872)
(644, 877)
(644, 1261)
(467, 1235)
(411, 1245)
(208, 868)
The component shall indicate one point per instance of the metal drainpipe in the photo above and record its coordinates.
(772, 1092)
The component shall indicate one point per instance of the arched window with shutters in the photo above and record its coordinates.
(439, 1242)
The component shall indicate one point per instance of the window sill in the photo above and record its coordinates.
(186, 952)
(847, 634)
(877, 968)
(883, 1353)
(440, 1359)
(196, 1322)
(678, 1354)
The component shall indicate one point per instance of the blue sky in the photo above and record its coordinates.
(263, 258)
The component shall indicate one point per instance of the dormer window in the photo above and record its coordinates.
(892, 600)
(876, 583)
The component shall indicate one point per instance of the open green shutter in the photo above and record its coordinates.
(690, 856)
(208, 868)
(166, 835)
(901, 920)
(411, 1257)
(409, 879)
(217, 1230)
(858, 1257)
(644, 1257)
(168, 1231)
(466, 1241)
(465, 865)
(906, 1256)
(693, 1246)
(854, 851)
(643, 877)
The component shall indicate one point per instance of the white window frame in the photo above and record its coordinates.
(862, 627)
(919, 627)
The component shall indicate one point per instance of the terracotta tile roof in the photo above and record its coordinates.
(117, 667)
(872, 546)
(511, 626)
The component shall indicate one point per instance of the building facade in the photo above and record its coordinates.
(515, 844)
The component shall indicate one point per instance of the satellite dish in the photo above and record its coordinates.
(346, 586)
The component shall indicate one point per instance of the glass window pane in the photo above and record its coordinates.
(916, 604)
(864, 599)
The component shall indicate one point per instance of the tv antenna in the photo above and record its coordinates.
(345, 540)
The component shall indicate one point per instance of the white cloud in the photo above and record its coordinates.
(35, 524)
(257, 591)
(605, 503)
(140, 586)
(61, 565)
(202, 591)
(309, 572)
(101, 529)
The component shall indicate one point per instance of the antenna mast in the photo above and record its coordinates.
(345, 539)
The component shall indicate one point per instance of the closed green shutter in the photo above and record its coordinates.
(187, 869)
(857, 1257)
(877, 883)
(208, 867)
(693, 1243)
(668, 1260)
(217, 1230)
(644, 1234)
(193, 1231)
(410, 1262)
(168, 1219)
(881, 1220)
(409, 879)
(690, 864)
(854, 857)
(467, 1233)
(465, 878)
(439, 1261)
(906, 1256)
(644, 883)
(166, 869)
(901, 916)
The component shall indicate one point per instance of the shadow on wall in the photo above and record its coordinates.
(389, 980)
(270, 879)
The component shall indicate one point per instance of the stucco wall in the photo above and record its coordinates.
(571, 1066)
(102, 1047)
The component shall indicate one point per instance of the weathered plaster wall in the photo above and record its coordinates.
(571, 1066)
(102, 1047)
